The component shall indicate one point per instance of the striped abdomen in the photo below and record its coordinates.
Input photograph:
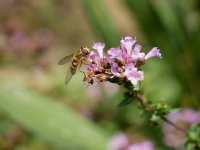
(75, 63)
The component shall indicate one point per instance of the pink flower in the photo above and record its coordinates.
(131, 52)
(183, 119)
(99, 47)
(154, 52)
(99, 54)
(122, 142)
(136, 53)
(133, 74)
(115, 69)
(115, 53)
(121, 63)
(118, 142)
(146, 145)
(127, 44)
(97, 58)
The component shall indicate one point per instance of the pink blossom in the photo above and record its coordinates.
(154, 52)
(115, 69)
(130, 51)
(133, 74)
(146, 145)
(99, 47)
(115, 53)
(183, 119)
(137, 54)
(118, 142)
(122, 63)
(99, 54)
(97, 57)
(122, 142)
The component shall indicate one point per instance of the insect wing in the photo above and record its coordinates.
(68, 75)
(65, 59)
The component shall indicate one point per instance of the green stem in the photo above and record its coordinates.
(148, 108)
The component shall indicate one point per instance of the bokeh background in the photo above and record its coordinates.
(38, 111)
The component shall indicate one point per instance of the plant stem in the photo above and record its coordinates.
(148, 108)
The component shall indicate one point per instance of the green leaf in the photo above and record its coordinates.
(125, 102)
(50, 120)
(193, 138)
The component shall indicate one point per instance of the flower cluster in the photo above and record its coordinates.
(183, 119)
(122, 142)
(118, 65)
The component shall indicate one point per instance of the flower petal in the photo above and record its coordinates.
(118, 141)
(115, 69)
(93, 57)
(136, 53)
(146, 145)
(133, 75)
(137, 48)
(127, 44)
(115, 53)
(154, 52)
(99, 47)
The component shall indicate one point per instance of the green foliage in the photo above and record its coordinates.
(101, 21)
(193, 138)
(159, 83)
(125, 101)
(159, 112)
(174, 27)
(51, 121)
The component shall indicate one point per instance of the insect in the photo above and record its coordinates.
(77, 59)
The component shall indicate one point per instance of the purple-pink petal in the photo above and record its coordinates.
(133, 75)
(137, 48)
(154, 52)
(127, 44)
(146, 145)
(99, 47)
(93, 56)
(118, 142)
(183, 119)
(115, 53)
(137, 54)
(92, 67)
(115, 69)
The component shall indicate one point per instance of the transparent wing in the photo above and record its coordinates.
(69, 75)
(68, 78)
(65, 59)
(70, 72)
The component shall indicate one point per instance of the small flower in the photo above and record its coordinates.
(146, 145)
(115, 53)
(99, 47)
(93, 57)
(115, 69)
(137, 54)
(122, 142)
(119, 64)
(97, 59)
(131, 52)
(99, 54)
(92, 67)
(183, 119)
(154, 52)
(127, 44)
(118, 142)
(133, 75)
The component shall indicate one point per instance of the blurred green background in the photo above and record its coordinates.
(38, 111)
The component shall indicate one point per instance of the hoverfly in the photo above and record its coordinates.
(77, 59)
